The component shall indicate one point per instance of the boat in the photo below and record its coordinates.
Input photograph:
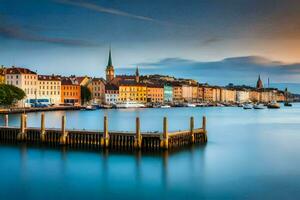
(288, 104)
(273, 105)
(129, 104)
(190, 105)
(259, 106)
(90, 108)
(165, 106)
(247, 106)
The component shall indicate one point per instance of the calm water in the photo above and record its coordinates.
(250, 154)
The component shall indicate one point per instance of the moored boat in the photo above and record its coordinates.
(247, 106)
(288, 104)
(258, 106)
(273, 105)
(165, 106)
(129, 104)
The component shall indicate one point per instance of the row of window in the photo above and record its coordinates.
(70, 94)
(49, 93)
(49, 82)
(50, 87)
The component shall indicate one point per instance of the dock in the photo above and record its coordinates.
(30, 109)
(115, 140)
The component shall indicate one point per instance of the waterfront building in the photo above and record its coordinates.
(49, 88)
(259, 84)
(177, 92)
(97, 86)
(242, 96)
(132, 91)
(155, 93)
(200, 93)
(208, 94)
(280, 96)
(70, 91)
(227, 95)
(111, 94)
(24, 79)
(194, 93)
(254, 95)
(168, 93)
(110, 71)
(268, 95)
(187, 93)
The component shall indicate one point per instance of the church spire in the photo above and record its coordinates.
(109, 58)
(110, 72)
(137, 74)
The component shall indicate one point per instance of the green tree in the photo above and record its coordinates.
(10, 94)
(86, 94)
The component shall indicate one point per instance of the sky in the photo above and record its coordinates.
(212, 41)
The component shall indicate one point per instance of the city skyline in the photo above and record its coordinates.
(72, 37)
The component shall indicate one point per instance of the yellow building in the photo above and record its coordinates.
(177, 93)
(155, 93)
(132, 91)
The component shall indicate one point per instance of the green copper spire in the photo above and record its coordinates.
(109, 58)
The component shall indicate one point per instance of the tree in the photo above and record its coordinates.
(10, 94)
(86, 94)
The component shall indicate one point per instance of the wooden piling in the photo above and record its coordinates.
(22, 134)
(204, 123)
(105, 137)
(204, 128)
(63, 131)
(6, 120)
(164, 142)
(138, 138)
(43, 129)
(192, 129)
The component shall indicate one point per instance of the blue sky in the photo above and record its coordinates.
(73, 37)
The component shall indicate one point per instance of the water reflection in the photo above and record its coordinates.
(249, 154)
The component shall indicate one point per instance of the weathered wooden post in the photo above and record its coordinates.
(25, 121)
(204, 123)
(204, 128)
(22, 135)
(164, 141)
(138, 138)
(6, 120)
(192, 129)
(43, 129)
(63, 131)
(105, 137)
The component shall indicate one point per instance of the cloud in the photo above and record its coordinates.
(102, 9)
(239, 70)
(211, 40)
(12, 31)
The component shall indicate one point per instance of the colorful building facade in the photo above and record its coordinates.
(70, 91)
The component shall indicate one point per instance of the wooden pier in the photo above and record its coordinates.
(117, 140)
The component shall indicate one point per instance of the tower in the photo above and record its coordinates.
(110, 71)
(259, 84)
(137, 75)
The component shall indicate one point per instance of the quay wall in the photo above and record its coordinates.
(105, 139)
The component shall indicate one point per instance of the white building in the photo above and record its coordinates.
(242, 96)
(24, 79)
(49, 88)
(111, 94)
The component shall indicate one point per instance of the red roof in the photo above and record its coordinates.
(19, 70)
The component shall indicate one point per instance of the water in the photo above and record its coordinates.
(249, 154)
